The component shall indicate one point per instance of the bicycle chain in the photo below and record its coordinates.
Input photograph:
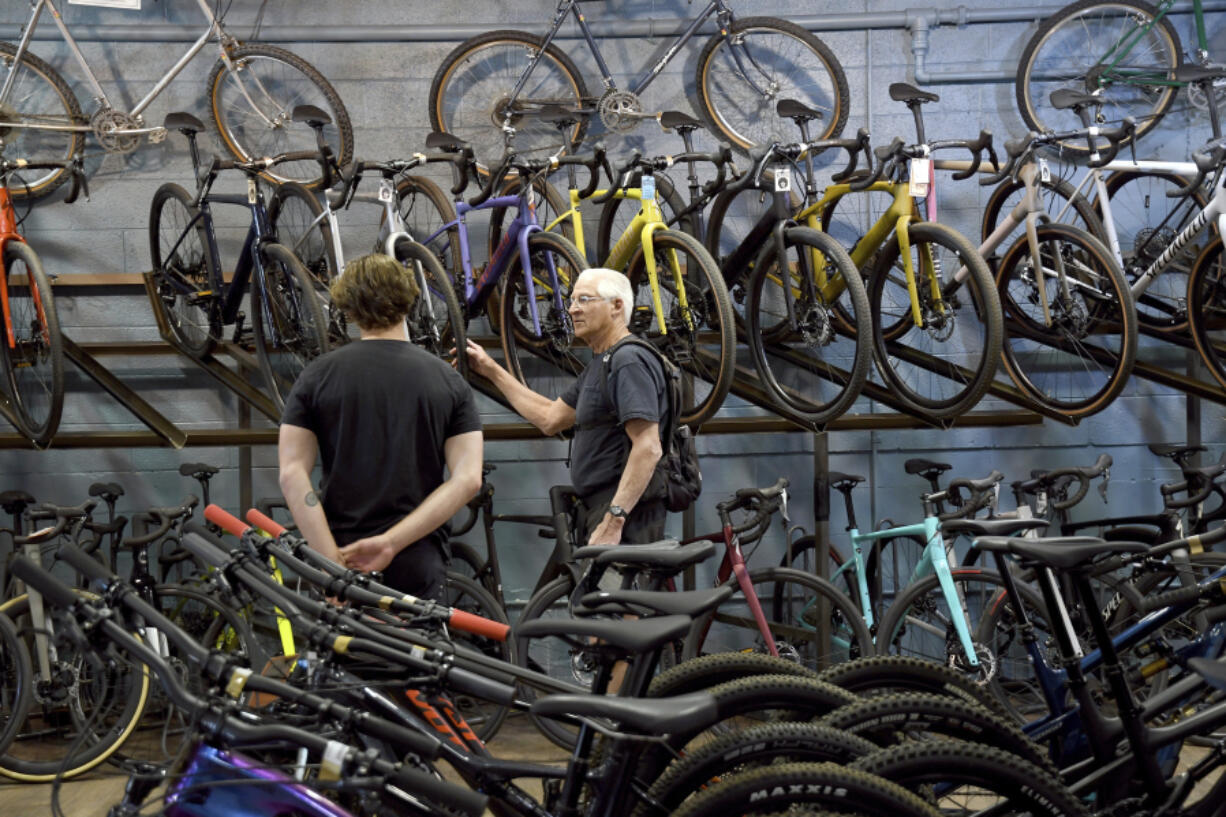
(1130, 807)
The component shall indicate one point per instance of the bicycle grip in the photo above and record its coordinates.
(458, 798)
(265, 523)
(478, 625)
(51, 588)
(225, 520)
(1171, 597)
(86, 565)
(487, 689)
(205, 550)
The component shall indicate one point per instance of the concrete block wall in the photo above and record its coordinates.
(385, 87)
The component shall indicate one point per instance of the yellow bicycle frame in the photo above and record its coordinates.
(897, 218)
(638, 234)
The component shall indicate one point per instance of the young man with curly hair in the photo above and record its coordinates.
(386, 418)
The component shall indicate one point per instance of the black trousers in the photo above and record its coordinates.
(419, 569)
(644, 525)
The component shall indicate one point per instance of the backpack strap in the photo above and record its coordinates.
(606, 361)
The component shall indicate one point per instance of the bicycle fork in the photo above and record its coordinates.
(741, 571)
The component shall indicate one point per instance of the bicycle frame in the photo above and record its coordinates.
(477, 290)
(214, 31)
(1110, 63)
(565, 7)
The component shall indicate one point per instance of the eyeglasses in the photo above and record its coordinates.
(585, 300)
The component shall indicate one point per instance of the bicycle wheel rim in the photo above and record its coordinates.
(943, 365)
(16, 676)
(298, 224)
(434, 321)
(1207, 309)
(1071, 351)
(289, 327)
(784, 66)
(34, 362)
(39, 96)
(547, 361)
(252, 106)
(810, 359)
(699, 335)
(182, 268)
(473, 95)
(1069, 54)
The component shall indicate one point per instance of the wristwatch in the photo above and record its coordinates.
(618, 511)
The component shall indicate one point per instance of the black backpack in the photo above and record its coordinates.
(677, 479)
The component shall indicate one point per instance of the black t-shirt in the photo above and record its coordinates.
(635, 389)
(381, 410)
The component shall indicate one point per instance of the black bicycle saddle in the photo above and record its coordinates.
(1066, 98)
(903, 92)
(791, 109)
(182, 121)
(676, 120)
(440, 140)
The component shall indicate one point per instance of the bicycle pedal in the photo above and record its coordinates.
(157, 135)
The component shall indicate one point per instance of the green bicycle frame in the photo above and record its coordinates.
(1120, 51)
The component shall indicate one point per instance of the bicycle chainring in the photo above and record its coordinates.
(109, 124)
(619, 110)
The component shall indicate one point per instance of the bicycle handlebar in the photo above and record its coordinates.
(164, 517)
(61, 514)
(1207, 159)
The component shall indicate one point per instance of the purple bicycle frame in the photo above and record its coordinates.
(216, 783)
(476, 293)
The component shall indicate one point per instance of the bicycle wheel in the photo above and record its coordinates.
(758, 60)
(791, 603)
(251, 103)
(813, 356)
(958, 777)
(707, 671)
(888, 674)
(805, 788)
(34, 363)
(39, 96)
(750, 749)
(549, 360)
(163, 728)
(298, 223)
(462, 593)
(1146, 223)
(425, 210)
(1070, 347)
(1076, 49)
(616, 214)
(1060, 200)
(471, 93)
(435, 321)
(920, 624)
(183, 269)
(804, 559)
(1207, 308)
(466, 561)
(700, 336)
(941, 367)
(552, 656)
(287, 321)
(916, 718)
(16, 678)
(79, 714)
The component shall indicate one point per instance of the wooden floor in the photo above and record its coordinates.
(92, 794)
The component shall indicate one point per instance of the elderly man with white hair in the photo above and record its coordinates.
(616, 413)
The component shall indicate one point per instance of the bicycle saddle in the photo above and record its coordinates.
(109, 491)
(1175, 451)
(692, 603)
(1196, 73)
(182, 121)
(197, 470)
(678, 121)
(791, 109)
(558, 115)
(667, 556)
(644, 635)
(439, 140)
(313, 116)
(1067, 98)
(14, 502)
(903, 92)
(1062, 553)
(656, 716)
(922, 467)
(991, 527)
(841, 481)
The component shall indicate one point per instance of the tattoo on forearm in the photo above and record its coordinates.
(312, 499)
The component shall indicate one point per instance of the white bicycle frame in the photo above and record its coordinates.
(214, 30)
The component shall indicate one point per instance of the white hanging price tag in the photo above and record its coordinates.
(919, 177)
(783, 180)
(385, 190)
(1044, 171)
(333, 760)
(253, 192)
